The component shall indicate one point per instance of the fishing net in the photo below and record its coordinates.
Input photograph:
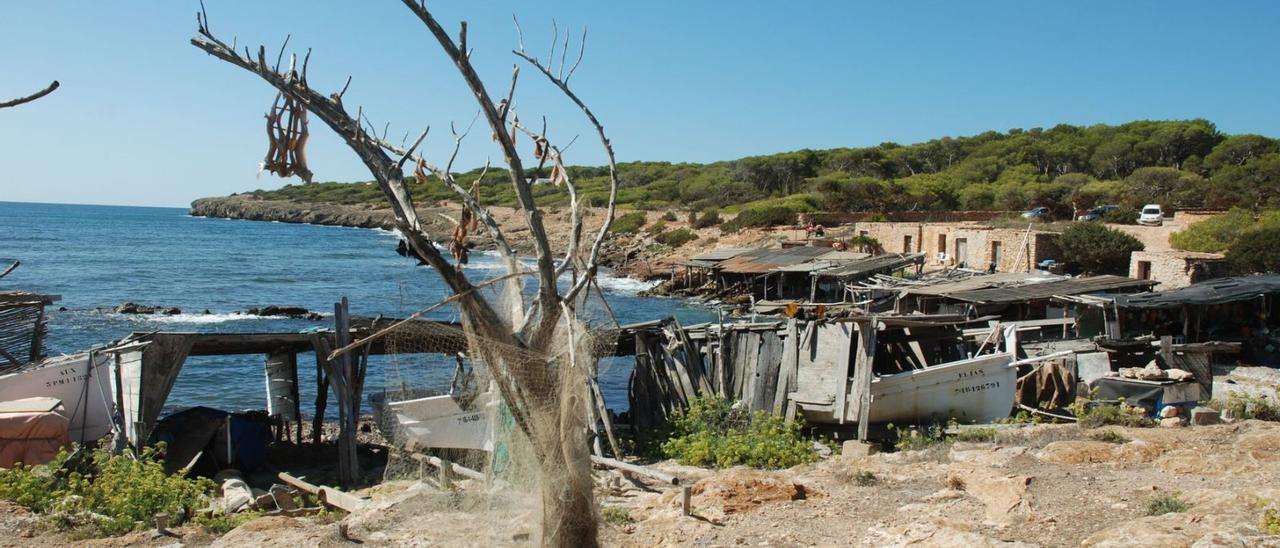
(514, 422)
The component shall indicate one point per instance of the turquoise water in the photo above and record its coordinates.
(101, 256)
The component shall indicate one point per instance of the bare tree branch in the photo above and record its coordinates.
(32, 97)
(593, 260)
(547, 292)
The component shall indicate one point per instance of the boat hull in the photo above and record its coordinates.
(439, 422)
(83, 386)
(977, 390)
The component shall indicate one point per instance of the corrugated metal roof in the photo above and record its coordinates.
(699, 263)
(758, 261)
(1219, 291)
(999, 279)
(1039, 291)
(830, 260)
(873, 265)
(721, 254)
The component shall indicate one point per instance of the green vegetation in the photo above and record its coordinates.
(1166, 504)
(1243, 406)
(112, 492)
(1096, 249)
(709, 218)
(616, 515)
(1270, 520)
(1091, 414)
(676, 238)
(760, 216)
(1180, 164)
(218, 524)
(1249, 239)
(628, 223)
(1216, 234)
(1110, 436)
(712, 432)
(976, 435)
(856, 476)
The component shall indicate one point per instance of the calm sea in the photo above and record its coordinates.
(101, 256)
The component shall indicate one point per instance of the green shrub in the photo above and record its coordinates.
(918, 439)
(670, 216)
(1110, 436)
(656, 228)
(1166, 504)
(218, 524)
(1098, 249)
(979, 435)
(616, 515)
(712, 432)
(1243, 406)
(1270, 521)
(709, 218)
(677, 237)
(1256, 251)
(1215, 234)
(1120, 216)
(1091, 414)
(118, 490)
(628, 223)
(761, 217)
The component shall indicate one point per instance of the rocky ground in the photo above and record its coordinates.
(1044, 485)
(1053, 485)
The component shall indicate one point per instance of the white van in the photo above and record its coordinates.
(1151, 215)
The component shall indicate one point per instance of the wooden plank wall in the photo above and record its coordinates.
(757, 366)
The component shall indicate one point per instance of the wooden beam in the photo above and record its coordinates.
(862, 376)
(636, 469)
(328, 495)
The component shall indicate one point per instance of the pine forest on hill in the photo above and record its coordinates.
(1181, 164)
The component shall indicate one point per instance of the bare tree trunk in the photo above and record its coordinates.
(544, 392)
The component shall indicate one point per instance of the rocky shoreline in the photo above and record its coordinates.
(619, 252)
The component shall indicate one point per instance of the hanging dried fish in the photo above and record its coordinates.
(287, 139)
(539, 148)
(467, 223)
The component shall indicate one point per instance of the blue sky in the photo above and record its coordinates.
(143, 118)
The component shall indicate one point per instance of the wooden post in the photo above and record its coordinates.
(322, 395)
(446, 479)
(862, 377)
(37, 337)
(349, 416)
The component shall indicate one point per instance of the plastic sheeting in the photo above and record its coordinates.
(32, 431)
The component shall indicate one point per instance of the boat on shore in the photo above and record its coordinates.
(82, 382)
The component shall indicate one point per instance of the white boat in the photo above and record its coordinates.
(439, 422)
(977, 390)
(81, 381)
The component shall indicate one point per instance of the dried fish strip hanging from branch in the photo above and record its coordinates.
(287, 139)
(467, 221)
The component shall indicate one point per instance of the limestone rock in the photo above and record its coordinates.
(744, 490)
(1173, 422)
(855, 448)
(1169, 412)
(1204, 416)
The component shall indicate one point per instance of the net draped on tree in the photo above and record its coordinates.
(536, 353)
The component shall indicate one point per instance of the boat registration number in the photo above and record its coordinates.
(977, 387)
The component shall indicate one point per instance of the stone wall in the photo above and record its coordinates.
(949, 245)
(1174, 269)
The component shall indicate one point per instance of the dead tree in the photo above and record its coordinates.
(523, 343)
(32, 97)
